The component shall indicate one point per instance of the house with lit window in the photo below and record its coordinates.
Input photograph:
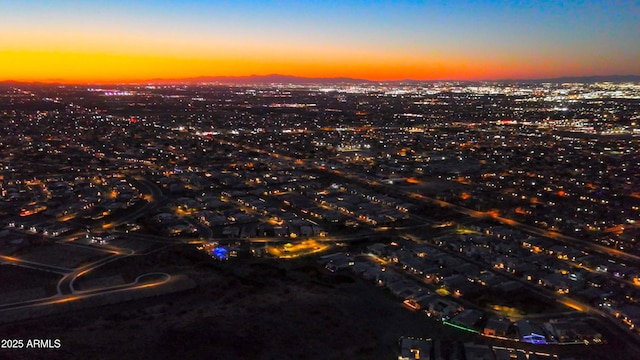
(497, 327)
(415, 348)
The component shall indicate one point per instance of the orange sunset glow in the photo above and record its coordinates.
(123, 42)
(86, 67)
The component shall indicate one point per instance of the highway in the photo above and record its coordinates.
(592, 247)
(553, 235)
(586, 245)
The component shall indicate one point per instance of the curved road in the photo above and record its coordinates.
(60, 299)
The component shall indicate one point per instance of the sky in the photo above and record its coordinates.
(128, 41)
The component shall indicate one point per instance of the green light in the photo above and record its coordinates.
(459, 327)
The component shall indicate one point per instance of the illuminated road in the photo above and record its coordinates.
(540, 291)
(65, 285)
(457, 208)
(546, 293)
(502, 220)
(537, 231)
(572, 303)
(151, 194)
(138, 284)
(345, 238)
(612, 253)
(34, 265)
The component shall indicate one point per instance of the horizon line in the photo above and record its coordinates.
(327, 79)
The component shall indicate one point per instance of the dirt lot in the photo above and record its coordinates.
(19, 283)
(137, 245)
(62, 255)
(13, 278)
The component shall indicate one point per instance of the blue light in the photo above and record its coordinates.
(220, 253)
(535, 339)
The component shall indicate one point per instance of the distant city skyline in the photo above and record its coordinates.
(118, 41)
